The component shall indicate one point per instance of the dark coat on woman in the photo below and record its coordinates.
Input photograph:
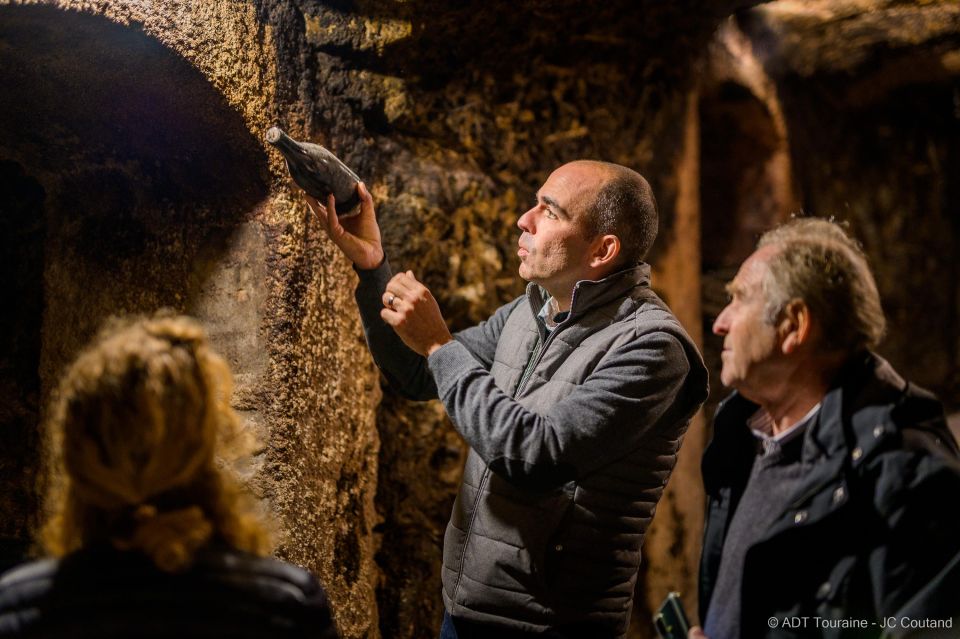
(103, 593)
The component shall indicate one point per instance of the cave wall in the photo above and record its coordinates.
(454, 115)
(132, 136)
(21, 262)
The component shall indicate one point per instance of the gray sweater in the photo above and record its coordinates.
(573, 435)
(777, 474)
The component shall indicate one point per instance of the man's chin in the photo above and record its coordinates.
(728, 381)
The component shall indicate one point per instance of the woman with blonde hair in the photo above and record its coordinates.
(151, 534)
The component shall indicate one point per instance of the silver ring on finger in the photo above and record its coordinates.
(391, 300)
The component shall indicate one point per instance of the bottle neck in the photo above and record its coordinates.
(287, 145)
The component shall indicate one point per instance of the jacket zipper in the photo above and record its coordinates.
(531, 364)
(466, 538)
(535, 358)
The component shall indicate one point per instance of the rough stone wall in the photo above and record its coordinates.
(21, 248)
(141, 124)
(105, 230)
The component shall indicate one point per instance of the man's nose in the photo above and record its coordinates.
(721, 325)
(525, 222)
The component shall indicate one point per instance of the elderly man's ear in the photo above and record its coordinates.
(795, 327)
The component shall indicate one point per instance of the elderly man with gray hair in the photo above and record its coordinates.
(830, 480)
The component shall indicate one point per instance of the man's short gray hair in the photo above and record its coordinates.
(818, 263)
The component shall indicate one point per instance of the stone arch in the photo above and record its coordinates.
(746, 176)
(741, 173)
(129, 180)
(141, 125)
(746, 182)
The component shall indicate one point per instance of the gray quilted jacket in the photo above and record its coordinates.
(573, 434)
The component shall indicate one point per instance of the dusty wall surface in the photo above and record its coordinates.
(454, 116)
(132, 138)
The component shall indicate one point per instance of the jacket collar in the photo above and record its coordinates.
(855, 418)
(588, 294)
(728, 457)
(856, 413)
(867, 406)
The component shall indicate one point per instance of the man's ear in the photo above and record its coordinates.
(606, 250)
(794, 327)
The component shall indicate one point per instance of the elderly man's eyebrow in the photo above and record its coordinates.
(733, 288)
(555, 206)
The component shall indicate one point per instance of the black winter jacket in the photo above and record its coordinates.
(106, 594)
(873, 533)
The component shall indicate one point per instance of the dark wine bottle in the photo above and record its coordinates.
(318, 172)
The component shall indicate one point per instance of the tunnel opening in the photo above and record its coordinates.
(123, 172)
(745, 189)
(738, 189)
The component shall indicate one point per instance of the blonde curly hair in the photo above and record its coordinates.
(136, 431)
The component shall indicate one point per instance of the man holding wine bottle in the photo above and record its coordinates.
(573, 399)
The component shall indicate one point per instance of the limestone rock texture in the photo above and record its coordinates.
(138, 179)
(134, 176)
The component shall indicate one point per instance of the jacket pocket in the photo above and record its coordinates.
(553, 547)
(512, 532)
